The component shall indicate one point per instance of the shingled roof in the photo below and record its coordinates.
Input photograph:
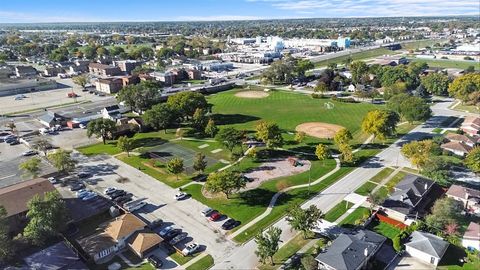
(428, 243)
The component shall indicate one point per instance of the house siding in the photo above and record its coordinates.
(422, 256)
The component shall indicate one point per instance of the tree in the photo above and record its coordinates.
(342, 136)
(375, 200)
(81, 80)
(445, 211)
(346, 153)
(185, 103)
(267, 243)
(42, 145)
(380, 123)
(436, 83)
(394, 89)
(415, 109)
(463, 86)
(309, 262)
(299, 136)
(31, 167)
(472, 160)
(211, 129)
(358, 69)
(101, 128)
(175, 166)
(303, 220)
(321, 87)
(230, 137)
(418, 152)
(11, 125)
(125, 144)
(269, 133)
(225, 181)
(302, 66)
(7, 249)
(160, 116)
(47, 217)
(332, 66)
(322, 152)
(62, 160)
(140, 97)
(199, 120)
(438, 169)
(279, 71)
(199, 163)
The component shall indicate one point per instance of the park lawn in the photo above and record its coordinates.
(357, 214)
(337, 211)
(379, 177)
(138, 162)
(284, 202)
(445, 63)
(356, 56)
(291, 109)
(285, 252)
(202, 264)
(366, 188)
(386, 230)
(99, 148)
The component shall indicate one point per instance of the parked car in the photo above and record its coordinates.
(29, 153)
(180, 196)
(215, 216)
(190, 249)
(230, 224)
(123, 201)
(207, 211)
(77, 186)
(52, 180)
(117, 193)
(135, 207)
(155, 261)
(155, 224)
(89, 196)
(109, 190)
(172, 233)
(83, 174)
(165, 230)
(14, 142)
(179, 238)
(82, 193)
(126, 196)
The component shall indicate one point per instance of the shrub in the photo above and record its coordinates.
(397, 243)
(316, 95)
(158, 164)
(344, 100)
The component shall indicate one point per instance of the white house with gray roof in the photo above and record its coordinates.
(426, 247)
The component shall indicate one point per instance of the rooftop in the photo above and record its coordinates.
(428, 243)
(472, 232)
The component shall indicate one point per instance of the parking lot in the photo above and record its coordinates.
(10, 158)
(161, 203)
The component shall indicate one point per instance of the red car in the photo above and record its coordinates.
(215, 216)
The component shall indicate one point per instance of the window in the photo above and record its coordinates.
(432, 260)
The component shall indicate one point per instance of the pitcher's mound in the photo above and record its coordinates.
(319, 129)
(252, 94)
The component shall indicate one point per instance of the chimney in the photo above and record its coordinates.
(365, 252)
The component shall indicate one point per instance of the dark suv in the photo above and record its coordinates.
(155, 261)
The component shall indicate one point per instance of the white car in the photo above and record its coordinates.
(52, 180)
(180, 196)
(135, 207)
(82, 126)
(207, 211)
(89, 196)
(29, 153)
(190, 249)
(109, 190)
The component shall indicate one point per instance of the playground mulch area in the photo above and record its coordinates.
(275, 169)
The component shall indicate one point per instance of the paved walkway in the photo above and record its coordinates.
(387, 179)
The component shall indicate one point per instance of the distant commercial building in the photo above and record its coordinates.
(109, 86)
(103, 70)
(194, 74)
(17, 86)
(25, 71)
(216, 66)
(168, 78)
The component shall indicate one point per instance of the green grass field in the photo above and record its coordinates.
(337, 211)
(202, 264)
(445, 63)
(357, 214)
(287, 110)
(385, 229)
(366, 188)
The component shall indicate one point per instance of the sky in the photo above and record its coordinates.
(35, 11)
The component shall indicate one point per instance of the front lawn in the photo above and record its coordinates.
(285, 252)
(366, 188)
(202, 264)
(379, 177)
(337, 211)
(359, 213)
(180, 259)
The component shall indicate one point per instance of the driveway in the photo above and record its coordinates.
(185, 214)
(407, 262)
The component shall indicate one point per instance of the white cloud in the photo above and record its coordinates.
(217, 18)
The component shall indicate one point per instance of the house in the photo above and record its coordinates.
(25, 71)
(194, 74)
(411, 199)
(453, 137)
(426, 247)
(458, 148)
(52, 71)
(111, 112)
(351, 251)
(55, 257)
(78, 69)
(471, 125)
(51, 119)
(126, 231)
(130, 80)
(109, 86)
(471, 237)
(468, 196)
(168, 78)
(128, 65)
(16, 197)
(103, 70)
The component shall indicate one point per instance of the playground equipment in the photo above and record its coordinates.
(329, 105)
